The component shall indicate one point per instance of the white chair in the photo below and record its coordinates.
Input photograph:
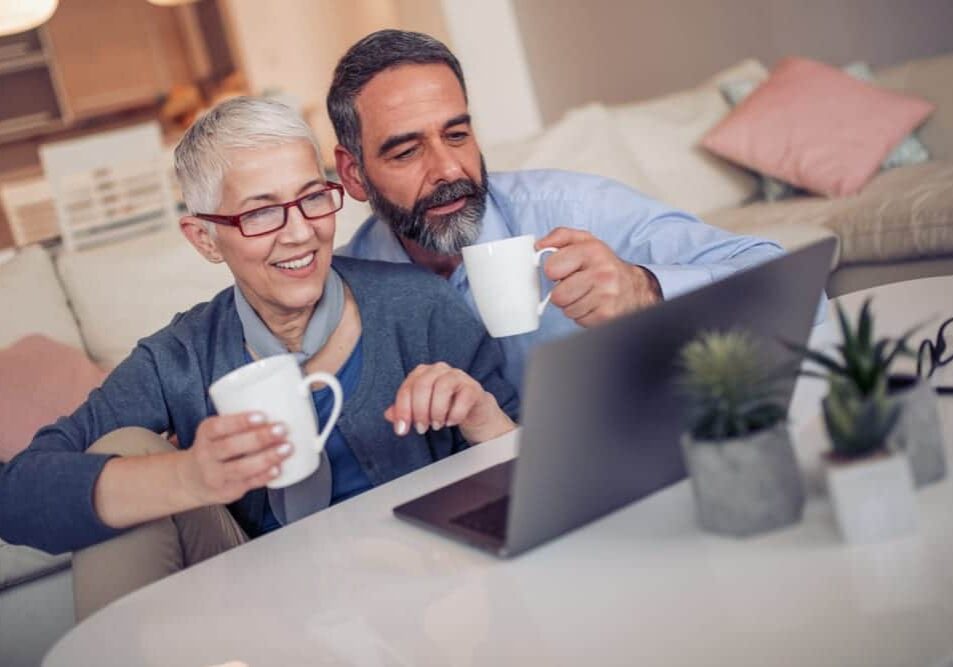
(109, 185)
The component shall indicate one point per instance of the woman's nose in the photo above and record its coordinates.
(297, 228)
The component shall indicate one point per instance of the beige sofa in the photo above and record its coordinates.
(103, 299)
(900, 226)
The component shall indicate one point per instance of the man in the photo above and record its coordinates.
(399, 106)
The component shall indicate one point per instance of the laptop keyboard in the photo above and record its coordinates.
(489, 519)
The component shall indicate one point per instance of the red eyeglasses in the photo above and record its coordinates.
(266, 219)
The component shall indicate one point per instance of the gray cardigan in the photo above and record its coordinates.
(409, 317)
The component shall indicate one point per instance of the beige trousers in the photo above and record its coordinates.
(105, 572)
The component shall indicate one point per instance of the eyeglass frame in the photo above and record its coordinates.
(235, 220)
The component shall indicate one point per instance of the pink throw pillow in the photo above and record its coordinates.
(816, 127)
(40, 380)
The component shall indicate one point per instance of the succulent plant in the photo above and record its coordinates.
(732, 394)
(858, 413)
(858, 425)
(863, 361)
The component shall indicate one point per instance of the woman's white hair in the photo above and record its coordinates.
(201, 156)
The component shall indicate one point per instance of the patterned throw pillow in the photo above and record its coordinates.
(910, 151)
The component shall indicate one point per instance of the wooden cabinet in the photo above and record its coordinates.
(29, 98)
(115, 54)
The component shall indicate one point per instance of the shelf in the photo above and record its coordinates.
(21, 63)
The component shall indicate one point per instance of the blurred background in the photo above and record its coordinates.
(95, 65)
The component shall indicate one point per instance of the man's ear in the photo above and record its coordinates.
(195, 230)
(349, 171)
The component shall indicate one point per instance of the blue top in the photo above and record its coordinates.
(409, 317)
(683, 252)
(347, 477)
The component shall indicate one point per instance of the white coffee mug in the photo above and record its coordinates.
(274, 387)
(504, 279)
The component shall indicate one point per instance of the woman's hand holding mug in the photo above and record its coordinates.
(231, 455)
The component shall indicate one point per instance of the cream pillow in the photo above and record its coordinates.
(124, 291)
(586, 140)
(662, 138)
(32, 301)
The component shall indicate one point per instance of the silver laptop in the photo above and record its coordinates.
(601, 414)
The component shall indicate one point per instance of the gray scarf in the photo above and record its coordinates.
(313, 493)
(323, 322)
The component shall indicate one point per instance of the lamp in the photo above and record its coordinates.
(19, 15)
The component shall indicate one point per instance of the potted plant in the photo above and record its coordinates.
(864, 363)
(744, 475)
(870, 485)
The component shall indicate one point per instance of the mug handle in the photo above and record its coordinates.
(331, 381)
(536, 261)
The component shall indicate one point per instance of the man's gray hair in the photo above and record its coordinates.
(370, 56)
(201, 157)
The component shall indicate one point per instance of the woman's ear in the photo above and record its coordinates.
(199, 235)
(349, 171)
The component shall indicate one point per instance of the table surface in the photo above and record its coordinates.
(355, 586)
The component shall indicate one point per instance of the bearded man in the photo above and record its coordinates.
(398, 103)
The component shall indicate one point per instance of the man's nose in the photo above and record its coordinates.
(445, 166)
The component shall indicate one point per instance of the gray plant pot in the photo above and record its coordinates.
(745, 486)
(918, 432)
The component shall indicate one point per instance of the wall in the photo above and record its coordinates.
(499, 85)
(618, 51)
(295, 49)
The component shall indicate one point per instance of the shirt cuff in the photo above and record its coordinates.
(677, 279)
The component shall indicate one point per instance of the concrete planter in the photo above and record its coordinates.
(745, 486)
(918, 432)
(873, 498)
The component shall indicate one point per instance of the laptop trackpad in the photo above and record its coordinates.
(444, 505)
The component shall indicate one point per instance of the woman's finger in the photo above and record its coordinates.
(464, 400)
(444, 389)
(248, 442)
(254, 465)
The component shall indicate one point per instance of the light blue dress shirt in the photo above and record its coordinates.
(683, 252)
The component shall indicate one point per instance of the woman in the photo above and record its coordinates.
(420, 378)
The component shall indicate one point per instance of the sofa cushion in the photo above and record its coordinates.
(124, 291)
(902, 214)
(586, 140)
(816, 127)
(32, 300)
(909, 151)
(663, 137)
(40, 381)
(19, 564)
(930, 79)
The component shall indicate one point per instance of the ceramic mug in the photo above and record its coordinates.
(274, 387)
(505, 282)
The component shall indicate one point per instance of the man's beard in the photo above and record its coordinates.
(442, 234)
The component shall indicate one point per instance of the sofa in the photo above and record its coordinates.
(99, 301)
(898, 227)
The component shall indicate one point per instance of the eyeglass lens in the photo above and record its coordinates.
(270, 218)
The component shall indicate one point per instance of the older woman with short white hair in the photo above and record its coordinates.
(421, 379)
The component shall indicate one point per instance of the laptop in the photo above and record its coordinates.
(602, 415)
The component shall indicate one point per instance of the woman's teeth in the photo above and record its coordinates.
(296, 263)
